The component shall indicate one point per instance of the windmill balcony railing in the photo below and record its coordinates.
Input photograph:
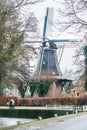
(47, 77)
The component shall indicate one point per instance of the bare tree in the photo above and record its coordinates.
(72, 19)
(71, 16)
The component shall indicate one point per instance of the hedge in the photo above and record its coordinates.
(43, 101)
(5, 99)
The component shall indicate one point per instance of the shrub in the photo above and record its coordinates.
(43, 101)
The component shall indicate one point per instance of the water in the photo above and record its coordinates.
(12, 121)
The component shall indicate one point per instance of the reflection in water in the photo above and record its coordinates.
(12, 121)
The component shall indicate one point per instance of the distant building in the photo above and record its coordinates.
(79, 90)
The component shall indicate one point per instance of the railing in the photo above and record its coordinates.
(47, 77)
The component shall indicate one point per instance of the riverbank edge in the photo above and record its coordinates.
(41, 122)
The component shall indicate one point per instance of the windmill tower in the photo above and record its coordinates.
(48, 66)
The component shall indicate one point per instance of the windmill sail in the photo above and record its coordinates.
(50, 20)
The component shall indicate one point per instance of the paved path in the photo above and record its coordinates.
(74, 122)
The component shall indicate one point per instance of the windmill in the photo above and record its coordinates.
(48, 63)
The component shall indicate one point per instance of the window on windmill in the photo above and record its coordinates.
(43, 62)
(77, 94)
(53, 72)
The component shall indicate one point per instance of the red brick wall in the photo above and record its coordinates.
(79, 90)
